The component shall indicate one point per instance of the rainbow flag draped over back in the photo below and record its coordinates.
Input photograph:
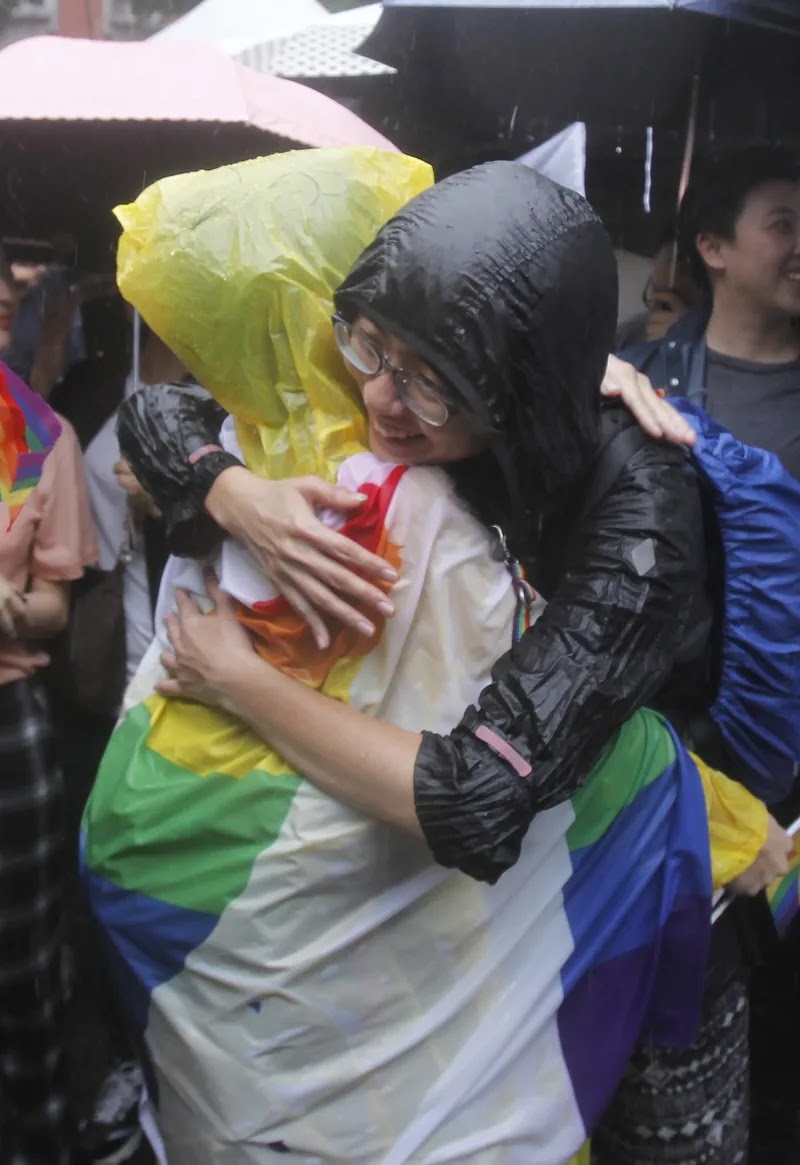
(304, 978)
(28, 431)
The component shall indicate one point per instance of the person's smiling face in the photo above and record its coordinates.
(395, 432)
(761, 263)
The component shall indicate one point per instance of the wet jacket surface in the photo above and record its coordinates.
(161, 436)
(610, 641)
(506, 285)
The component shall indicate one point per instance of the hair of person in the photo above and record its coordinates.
(719, 191)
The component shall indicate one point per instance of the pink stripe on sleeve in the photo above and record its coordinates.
(202, 451)
(504, 749)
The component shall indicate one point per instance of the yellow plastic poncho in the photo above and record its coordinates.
(234, 270)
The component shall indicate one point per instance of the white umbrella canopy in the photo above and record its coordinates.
(236, 25)
(325, 48)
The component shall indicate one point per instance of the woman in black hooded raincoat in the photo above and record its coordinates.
(503, 285)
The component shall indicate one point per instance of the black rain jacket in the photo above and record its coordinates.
(506, 284)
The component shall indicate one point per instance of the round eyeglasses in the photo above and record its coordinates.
(417, 393)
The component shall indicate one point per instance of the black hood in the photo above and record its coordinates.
(506, 284)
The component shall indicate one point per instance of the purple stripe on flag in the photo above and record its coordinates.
(599, 1025)
(639, 908)
(609, 1011)
(38, 415)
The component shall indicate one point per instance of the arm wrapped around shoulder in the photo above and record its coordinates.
(614, 628)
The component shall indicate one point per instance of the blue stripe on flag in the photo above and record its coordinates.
(640, 952)
(150, 940)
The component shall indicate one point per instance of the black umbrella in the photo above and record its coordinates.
(490, 79)
(610, 62)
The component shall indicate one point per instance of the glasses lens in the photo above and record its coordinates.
(355, 348)
(423, 401)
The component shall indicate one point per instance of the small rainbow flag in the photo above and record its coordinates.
(28, 431)
(784, 893)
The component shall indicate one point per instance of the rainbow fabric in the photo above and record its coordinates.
(784, 893)
(305, 977)
(28, 431)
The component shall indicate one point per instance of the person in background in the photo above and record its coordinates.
(49, 335)
(738, 355)
(128, 525)
(53, 292)
(670, 291)
(122, 513)
(91, 390)
(49, 544)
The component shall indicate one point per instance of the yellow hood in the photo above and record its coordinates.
(235, 270)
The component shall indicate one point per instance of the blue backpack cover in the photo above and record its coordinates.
(757, 505)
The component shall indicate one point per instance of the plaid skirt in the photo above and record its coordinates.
(33, 1121)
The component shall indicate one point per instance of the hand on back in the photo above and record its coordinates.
(322, 574)
(655, 415)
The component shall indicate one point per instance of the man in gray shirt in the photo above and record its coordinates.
(739, 353)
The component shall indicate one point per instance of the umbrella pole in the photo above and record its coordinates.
(137, 356)
(686, 168)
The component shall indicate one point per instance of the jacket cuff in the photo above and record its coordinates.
(473, 806)
(207, 465)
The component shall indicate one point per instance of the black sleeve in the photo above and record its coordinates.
(159, 428)
(605, 644)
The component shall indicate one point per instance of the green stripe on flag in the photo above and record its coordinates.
(34, 443)
(155, 828)
(639, 754)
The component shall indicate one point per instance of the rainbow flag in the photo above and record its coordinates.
(784, 893)
(303, 977)
(28, 431)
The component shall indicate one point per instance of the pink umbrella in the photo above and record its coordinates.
(86, 124)
(50, 78)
